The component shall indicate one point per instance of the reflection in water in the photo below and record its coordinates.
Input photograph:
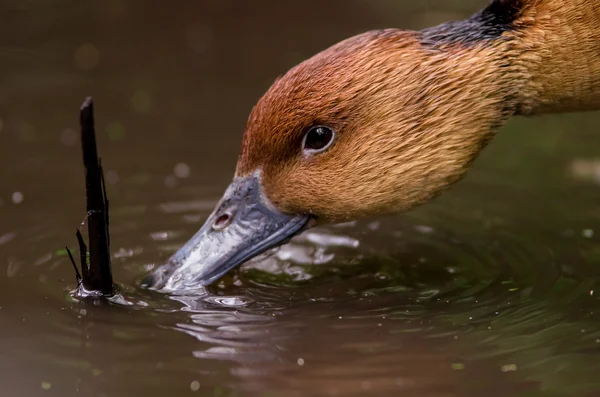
(440, 311)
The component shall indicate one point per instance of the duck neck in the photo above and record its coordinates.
(556, 45)
(546, 52)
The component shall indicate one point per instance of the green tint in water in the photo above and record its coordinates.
(493, 289)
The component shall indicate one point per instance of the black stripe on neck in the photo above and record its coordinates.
(488, 24)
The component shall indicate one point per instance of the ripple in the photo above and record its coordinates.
(354, 303)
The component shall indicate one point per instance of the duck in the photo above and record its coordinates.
(387, 120)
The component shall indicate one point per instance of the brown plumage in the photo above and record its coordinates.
(413, 109)
(410, 111)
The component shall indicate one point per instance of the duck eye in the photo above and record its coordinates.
(317, 139)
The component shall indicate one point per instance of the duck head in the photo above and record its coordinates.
(376, 124)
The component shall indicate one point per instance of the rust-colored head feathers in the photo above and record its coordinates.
(411, 110)
(408, 122)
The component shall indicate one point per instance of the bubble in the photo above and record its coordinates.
(195, 386)
(300, 361)
(182, 170)
(68, 137)
(86, 57)
(17, 197)
(587, 233)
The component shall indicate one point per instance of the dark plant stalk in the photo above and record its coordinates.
(96, 274)
(77, 274)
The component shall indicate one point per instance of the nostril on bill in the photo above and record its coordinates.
(222, 221)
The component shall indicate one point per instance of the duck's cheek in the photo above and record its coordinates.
(305, 197)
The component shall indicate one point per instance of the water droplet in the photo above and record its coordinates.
(195, 386)
(587, 233)
(182, 170)
(509, 368)
(86, 57)
(17, 197)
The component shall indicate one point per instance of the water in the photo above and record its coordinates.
(490, 290)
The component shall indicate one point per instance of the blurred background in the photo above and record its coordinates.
(488, 289)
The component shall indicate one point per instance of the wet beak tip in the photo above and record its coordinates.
(246, 226)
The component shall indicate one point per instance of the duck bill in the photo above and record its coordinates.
(243, 225)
